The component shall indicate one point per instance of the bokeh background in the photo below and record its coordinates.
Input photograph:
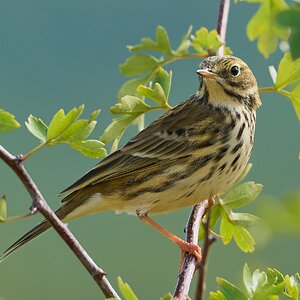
(59, 54)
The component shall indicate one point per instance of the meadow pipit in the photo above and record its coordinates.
(194, 151)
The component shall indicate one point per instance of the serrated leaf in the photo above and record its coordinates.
(37, 127)
(241, 195)
(241, 235)
(138, 64)
(162, 43)
(90, 148)
(130, 105)
(243, 238)
(288, 71)
(226, 230)
(126, 291)
(229, 290)
(291, 288)
(130, 87)
(76, 133)
(164, 79)
(217, 296)
(243, 219)
(156, 94)
(291, 18)
(264, 27)
(60, 122)
(295, 97)
(3, 209)
(206, 42)
(185, 42)
(7, 122)
(117, 127)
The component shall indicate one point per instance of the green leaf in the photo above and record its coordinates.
(130, 105)
(156, 94)
(167, 297)
(241, 195)
(206, 42)
(185, 43)
(37, 127)
(217, 296)
(229, 290)
(240, 234)
(295, 97)
(226, 229)
(90, 148)
(162, 43)
(243, 219)
(126, 291)
(3, 209)
(76, 133)
(164, 79)
(292, 286)
(243, 239)
(7, 122)
(138, 64)
(247, 279)
(288, 71)
(264, 27)
(291, 19)
(60, 122)
(130, 87)
(117, 128)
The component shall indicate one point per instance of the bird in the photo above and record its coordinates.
(194, 151)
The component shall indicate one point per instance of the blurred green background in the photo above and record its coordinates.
(59, 54)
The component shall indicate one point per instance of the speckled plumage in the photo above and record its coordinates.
(194, 151)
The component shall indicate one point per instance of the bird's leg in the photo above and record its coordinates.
(183, 245)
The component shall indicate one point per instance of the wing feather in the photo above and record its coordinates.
(164, 140)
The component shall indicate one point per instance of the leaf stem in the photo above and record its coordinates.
(222, 23)
(32, 151)
(274, 89)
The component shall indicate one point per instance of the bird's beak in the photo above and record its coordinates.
(206, 73)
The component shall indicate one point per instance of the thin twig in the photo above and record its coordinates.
(222, 23)
(208, 241)
(189, 262)
(40, 204)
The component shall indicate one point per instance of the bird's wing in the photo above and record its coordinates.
(163, 141)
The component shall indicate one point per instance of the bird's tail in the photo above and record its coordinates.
(36, 231)
(62, 213)
(65, 213)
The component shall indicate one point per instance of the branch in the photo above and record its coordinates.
(189, 264)
(189, 261)
(222, 23)
(208, 241)
(40, 204)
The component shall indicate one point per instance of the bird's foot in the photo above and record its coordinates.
(190, 248)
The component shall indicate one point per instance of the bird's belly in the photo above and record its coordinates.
(207, 182)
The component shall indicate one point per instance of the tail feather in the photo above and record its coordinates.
(36, 231)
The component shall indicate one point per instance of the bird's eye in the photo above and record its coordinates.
(235, 70)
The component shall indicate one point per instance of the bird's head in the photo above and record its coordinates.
(228, 81)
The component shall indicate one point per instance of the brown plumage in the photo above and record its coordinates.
(194, 151)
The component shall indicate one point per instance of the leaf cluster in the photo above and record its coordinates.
(287, 80)
(150, 80)
(234, 224)
(265, 27)
(259, 285)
